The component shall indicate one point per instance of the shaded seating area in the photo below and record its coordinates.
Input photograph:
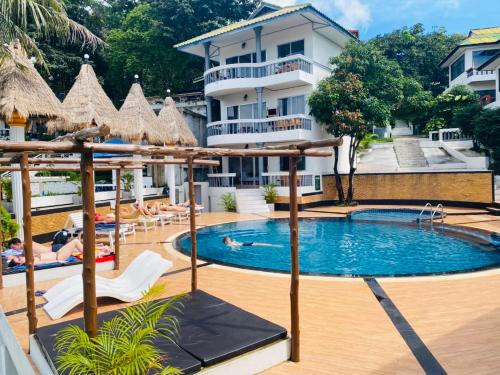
(210, 331)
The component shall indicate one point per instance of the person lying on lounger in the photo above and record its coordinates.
(126, 217)
(43, 254)
(171, 207)
(187, 204)
(235, 244)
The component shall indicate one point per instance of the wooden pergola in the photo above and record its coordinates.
(76, 143)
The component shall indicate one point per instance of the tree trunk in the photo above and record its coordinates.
(353, 145)
(338, 179)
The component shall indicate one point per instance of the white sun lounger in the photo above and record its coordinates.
(130, 286)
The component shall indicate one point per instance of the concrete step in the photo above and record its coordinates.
(409, 153)
(250, 201)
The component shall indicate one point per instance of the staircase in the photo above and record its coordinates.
(409, 153)
(250, 201)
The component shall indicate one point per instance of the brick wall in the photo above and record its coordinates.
(474, 188)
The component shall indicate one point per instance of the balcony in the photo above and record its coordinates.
(472, 75)
(273, 129)
(276, 74)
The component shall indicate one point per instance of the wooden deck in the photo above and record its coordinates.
(344, 329)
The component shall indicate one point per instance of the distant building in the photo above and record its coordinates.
(464, 62)
(493, 64)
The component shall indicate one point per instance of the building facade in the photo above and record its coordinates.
(493, 64)
(464, 62)
(260, 72)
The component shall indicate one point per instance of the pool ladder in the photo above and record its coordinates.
(439, 209)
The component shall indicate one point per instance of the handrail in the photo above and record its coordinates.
(423, 210)
(439, 206)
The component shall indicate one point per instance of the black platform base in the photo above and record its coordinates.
(211, 331)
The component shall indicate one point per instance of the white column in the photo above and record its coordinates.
(138, 182)
(17, 135)
(113, 177)
(170, 175)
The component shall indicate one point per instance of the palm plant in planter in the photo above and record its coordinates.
(128, 184)
(228, 202)
(125, 344)
(270, 194)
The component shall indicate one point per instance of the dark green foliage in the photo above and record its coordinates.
(419, 53)
(9, 225)
(463, 118)
(487, 131)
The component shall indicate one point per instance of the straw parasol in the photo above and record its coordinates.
(23, 91)
(174, 121)
(141, 121)
(87, 105)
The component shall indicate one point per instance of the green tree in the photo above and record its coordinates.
(26, 19)
(447, 103)
(125, 344)
(143, 43)
(419, 53)
(340, 103)
(416, 104)
(463, 118)
(487, 131)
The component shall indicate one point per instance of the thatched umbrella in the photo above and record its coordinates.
(174, 121)
(87, 105)
(171, 118)
(24, 95)
(23, 92)
(141, 124)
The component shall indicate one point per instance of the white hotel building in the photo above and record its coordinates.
(465, 64)
(258, 75)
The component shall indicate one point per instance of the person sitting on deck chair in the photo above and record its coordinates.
(44, 254)
(235, 244)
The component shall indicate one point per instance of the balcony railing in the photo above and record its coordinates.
(268, 125)
(281, 179)
(474, 72)
(258, 70)
(221, 179)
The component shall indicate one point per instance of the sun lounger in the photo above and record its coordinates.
(130, 286)
(74, 225)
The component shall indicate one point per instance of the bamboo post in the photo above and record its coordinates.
(192, 222)
(28, 244)
(88, 274)
(294, 255)
(117, 218)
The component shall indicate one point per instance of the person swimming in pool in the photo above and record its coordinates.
(235, 244)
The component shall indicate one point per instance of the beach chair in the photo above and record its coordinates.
(74, 225)
(146, 223)
(130, 286)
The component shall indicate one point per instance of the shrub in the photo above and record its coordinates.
(124, 344)
(434, 124)
(9, 225)
(7, 189)
(270, 193)
(228, 202)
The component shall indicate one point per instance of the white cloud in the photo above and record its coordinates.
(349, 13)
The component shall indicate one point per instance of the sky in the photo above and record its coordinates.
(373, 17)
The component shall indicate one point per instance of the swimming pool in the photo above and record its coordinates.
(346, 247)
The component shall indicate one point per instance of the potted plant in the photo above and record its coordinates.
(228, 202)
(270, 194)
(76, 179)
(128, 184)
(124, 344)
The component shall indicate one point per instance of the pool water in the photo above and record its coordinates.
(344, 247)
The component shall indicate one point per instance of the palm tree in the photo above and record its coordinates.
(43, 18)
(124, 344)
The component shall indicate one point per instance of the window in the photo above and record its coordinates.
(294, 105)
(457, 68)
(480, 57)
(245, 111)
(487, 96)
(285, 164)
(232, 113)
(292, 48)
(245, 59)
